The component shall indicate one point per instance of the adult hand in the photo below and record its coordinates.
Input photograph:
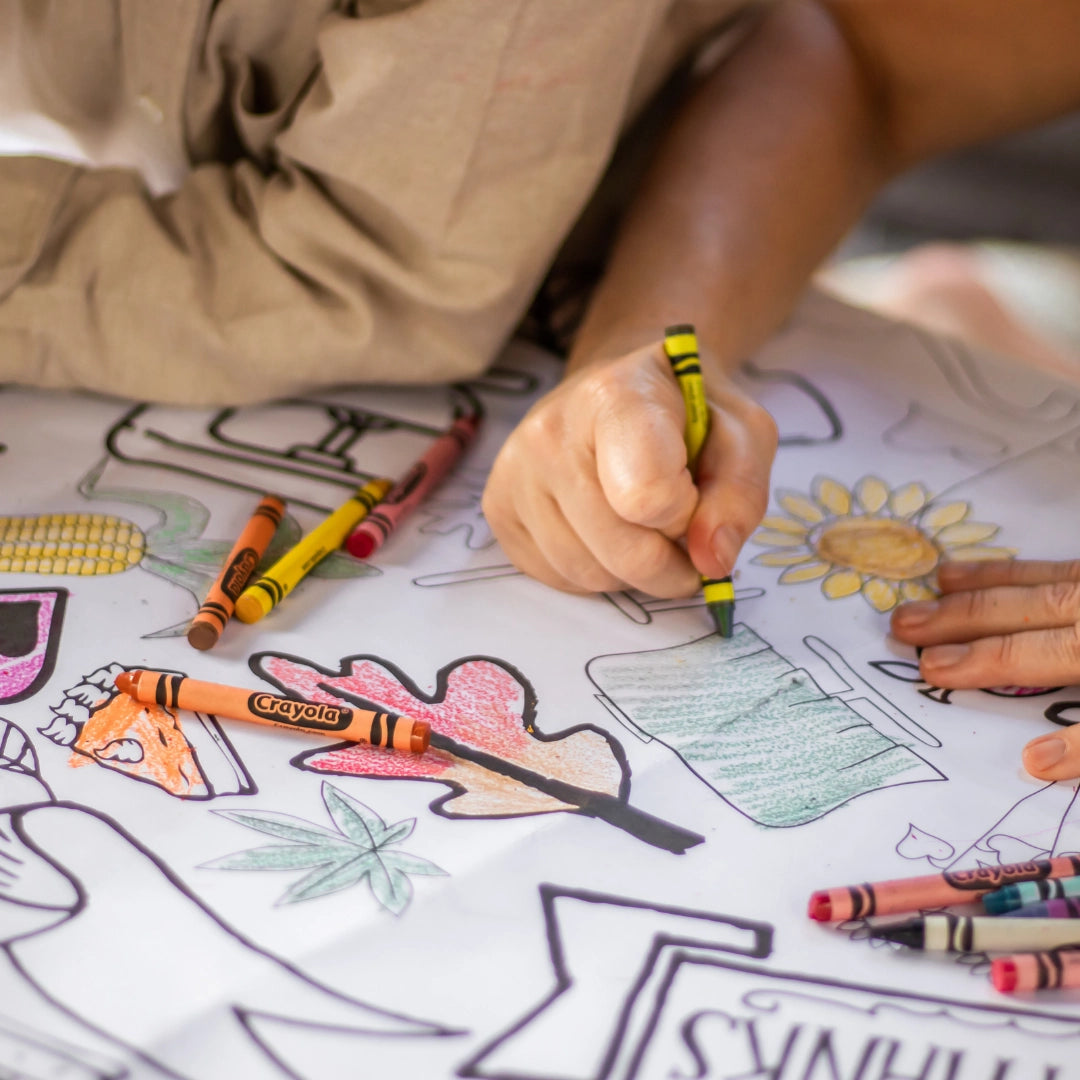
(1000, 623)
(591, 492)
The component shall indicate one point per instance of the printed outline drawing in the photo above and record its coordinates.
(47, 839)
(962, 1013)
(884, 543)
(922, 427)
(154, 747)
(359, 848)
(327, 461)
(27, 1054)
(649, 696)
(460, 765)
(803, 385)
(642, 956)
(24, 672)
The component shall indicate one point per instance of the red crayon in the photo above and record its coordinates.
(933, 890)
(1052, 970)
(439, 458)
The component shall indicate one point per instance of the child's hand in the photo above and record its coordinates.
(1004, 623)
(591, 492)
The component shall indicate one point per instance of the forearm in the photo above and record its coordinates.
(768, 163)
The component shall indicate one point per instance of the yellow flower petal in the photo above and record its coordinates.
(782, 558)
(872, 494)
(967, 532)
(808, 572)
(800, 506)
(832, 495)
(937, 517)
(980, 554)
(785, 525)
(842, 583)
(882, 595)
(908, 500)
(771, 538)
(916, 590)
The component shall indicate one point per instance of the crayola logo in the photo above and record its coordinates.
(994, 877)
(305, 714)
(237, 573)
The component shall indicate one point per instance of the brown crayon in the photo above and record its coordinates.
(217, 608)
(1054, 969)
(385, 729)
(933, 890)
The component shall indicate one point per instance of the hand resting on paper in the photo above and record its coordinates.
(1004, 623)
(592, 492)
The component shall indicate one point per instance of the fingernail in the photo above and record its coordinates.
(1044, 753)
(915, 613)
(940, 656)
(725, 545)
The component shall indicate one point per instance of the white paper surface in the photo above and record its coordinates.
(610, 880)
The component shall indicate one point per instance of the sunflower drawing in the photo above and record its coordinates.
(885, 544)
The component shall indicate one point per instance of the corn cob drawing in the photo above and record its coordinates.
(82, 544)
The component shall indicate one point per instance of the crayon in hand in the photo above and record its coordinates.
(415, 486)
(385, 729)
(681, 347)
(932, 890)
(260, 598)
(217, 608)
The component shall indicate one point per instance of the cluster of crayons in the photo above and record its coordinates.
(1032, 915)
(360, 525)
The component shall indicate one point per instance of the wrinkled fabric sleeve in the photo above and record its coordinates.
(381, 240)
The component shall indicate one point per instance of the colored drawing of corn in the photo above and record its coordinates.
(85, 544)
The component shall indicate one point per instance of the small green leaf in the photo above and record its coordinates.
(395, 833)
(392, 890)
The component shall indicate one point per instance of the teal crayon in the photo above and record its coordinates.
(1018, 895)
(1063, 907)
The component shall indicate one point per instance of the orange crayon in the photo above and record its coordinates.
(1055, 969)
(217, 608)
(933, 890)
(385, 729)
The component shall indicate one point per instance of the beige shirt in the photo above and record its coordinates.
(375, 187)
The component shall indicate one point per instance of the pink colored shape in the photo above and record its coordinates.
(18, 674)
(483, 707)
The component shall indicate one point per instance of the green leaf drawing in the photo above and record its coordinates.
(355, 850)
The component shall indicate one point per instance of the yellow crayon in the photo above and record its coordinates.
(260, 598)
(681, 347)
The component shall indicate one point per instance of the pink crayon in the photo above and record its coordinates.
(932, 890)
(439, 458)
(1053, 970)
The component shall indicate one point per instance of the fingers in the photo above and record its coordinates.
(1055, 756)
(590, 490)
(733, 481)
(961, 576)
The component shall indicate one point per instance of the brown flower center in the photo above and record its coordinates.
(894, 550)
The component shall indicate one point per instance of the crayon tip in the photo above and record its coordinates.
(908, 933)
(723, 617)
(420, 739)
(248, 609)
(125, 681)
(1003, 974)
(359, 545)
(996, 904)
(820, 907)
(202, 636)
